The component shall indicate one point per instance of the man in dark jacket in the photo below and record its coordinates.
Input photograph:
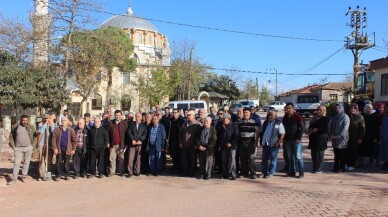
(188, 135)
(293, 123)
(172, 131)
(117, 130)
(228, 134)
(137, 132)
(80, 158)
(98, 140)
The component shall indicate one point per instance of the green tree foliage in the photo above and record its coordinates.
(264, 95)
(249, 89)
(221, 84)
(92, 51)
(157, 86)
(187, 68)
(28, 88)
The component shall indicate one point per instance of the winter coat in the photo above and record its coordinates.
(356, 129)
(318, 140)
(339, 128)
(211, 141)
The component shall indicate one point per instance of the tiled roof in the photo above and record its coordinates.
(379, 63)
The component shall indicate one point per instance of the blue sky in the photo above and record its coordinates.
(319, 19)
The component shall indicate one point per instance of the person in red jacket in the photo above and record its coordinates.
(116, 131)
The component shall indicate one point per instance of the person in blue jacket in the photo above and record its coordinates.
(156, 146)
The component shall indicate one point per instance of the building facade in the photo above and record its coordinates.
(151, 50)
(380, 67)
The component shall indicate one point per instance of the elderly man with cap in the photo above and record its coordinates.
(249, 139)
(228, 135)
(188, 134)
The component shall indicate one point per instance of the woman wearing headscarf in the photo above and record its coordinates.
(356, 135)
(383, 152)
(206, 141)
(319, 135)
(339, 135)
(379, 116)
(367, 145)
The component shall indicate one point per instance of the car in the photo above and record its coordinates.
(186, 104)
(276, 105)
(235, 107)
(247, 103)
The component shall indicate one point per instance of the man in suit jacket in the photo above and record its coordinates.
(137, 133)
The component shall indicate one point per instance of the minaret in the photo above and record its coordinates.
(129, 11)
(41, 23)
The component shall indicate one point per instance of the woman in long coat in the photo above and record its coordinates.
(356, 135)
(339, 135)
(368, 143)
(383, 152)
(319, 135)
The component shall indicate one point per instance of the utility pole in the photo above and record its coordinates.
(276, 80)
(357, 41)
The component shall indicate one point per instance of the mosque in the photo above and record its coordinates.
(151, 50)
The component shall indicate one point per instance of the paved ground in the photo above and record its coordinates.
(360, 193)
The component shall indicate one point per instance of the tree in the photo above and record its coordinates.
(28, 88)
(221, 84)
(188, 69)
(16, 39)
(92, 51)
(157, 86)
(249, 89)
(264, 95)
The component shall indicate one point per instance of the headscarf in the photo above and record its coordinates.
(354, 106)
(367, 106)
(380, 106)
(205, 136)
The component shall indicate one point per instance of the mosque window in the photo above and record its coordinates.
(97, 102)
(139, 38)
(125, 78)
(150, 40)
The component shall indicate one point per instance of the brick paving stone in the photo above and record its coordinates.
(360, 193)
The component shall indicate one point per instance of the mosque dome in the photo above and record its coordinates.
(129, 21)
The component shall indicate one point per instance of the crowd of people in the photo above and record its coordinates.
(207, 142)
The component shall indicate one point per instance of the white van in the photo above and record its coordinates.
(196, 104)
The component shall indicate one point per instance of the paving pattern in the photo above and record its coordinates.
(360, 193)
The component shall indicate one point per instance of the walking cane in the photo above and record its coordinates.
(47, 174)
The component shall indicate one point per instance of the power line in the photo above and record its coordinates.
(314, 67)
(266, 73)
(214, 28)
